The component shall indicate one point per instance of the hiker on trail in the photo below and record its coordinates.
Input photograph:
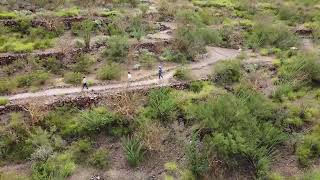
(84, 83)
(160, 73)
(129, 78)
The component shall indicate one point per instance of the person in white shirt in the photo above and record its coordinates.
(84, 83)
(129, 78)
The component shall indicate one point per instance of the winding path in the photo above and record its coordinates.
(214, 55)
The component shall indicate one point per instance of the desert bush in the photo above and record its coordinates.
(227, 72)
(310, 175)
(68, 12)
(147, 59)
(162, 105)
(85, 32)
(309, 147)
(188, 16)
(182, 74)
(118, 48)
(7, 85)
(83, 64)
(166, 10)
(80, 150)
(53, 65)
(99, 159)
(3, 101)
(95, 121)
(72, 77)
(13, 144)
(173, 56)
(32, 79)
(133, 150)
(58, 166)
(303, 68)
(196, 86)
(276, 35)
(253, 140)
(111, 71)
(7, 15)
(197, 161)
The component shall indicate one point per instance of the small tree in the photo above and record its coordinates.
(85, 32)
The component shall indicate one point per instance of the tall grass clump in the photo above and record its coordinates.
(133, 150)
(111, 71)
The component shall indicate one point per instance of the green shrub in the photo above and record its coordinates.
(147, 59)
(58, 166)
(266, 35)
(72, 77)
(275, 176)
(94, 121)
(311, 175)
(7, 85)
(68, 12)
(111, 71)
(80, 150)
(3, 101)
(197, 161)
(7, 15)
(83, 64)
(162, 105)
(182, 74)
(227, 72)
(196, 86)
(133, 150)
(240, 136)
(53, 65)
(309, 147)
(99, 159)
(118, 48)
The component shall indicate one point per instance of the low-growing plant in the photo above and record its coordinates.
(227, 72)
(111, 71)
(197, 161)
(118, 48)
(99, 159)
(147, 59)
(80, 150)
(83, 64)
(162, 105)
(3, 101)
(73, 77)
(196, 86)
(182, 74)
(133, 150)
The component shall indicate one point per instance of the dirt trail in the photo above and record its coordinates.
(214, 55)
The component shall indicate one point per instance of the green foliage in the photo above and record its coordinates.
(3, 101)
(266, 35)
(311, 175)
(242, 133)
(99, 159)
(13, 137)
(68, 12)
(12, 176)
(58, 166)
(80, 150)
(72, 77)
(83, 64)
(162, 105)
(147, 59)
(227, 72)
(118, 48)
(182, 74)
(196, 86)
(133, 150)
(7, 15)
(85, 32)
(197, 161)
(309, 147)
(111, 71)
(53, 65)
(275, 176)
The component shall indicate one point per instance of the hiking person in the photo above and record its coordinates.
(84, 83)
(129, 78)
(160, 73)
